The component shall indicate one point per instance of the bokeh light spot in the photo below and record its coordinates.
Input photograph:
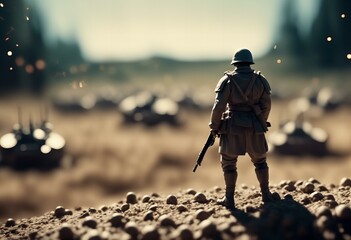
(343, 15)
(279, 61)
(40, 64)
(29, 69)
(1, 5)
(20, 61)
(275, 47)
(348, 56)
(329, 39)
(27, 18)
(11, 68)
(9, 53)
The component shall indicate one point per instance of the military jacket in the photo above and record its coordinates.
(241, 125)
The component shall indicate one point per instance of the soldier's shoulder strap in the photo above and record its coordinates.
(222, 82)
(264, 82)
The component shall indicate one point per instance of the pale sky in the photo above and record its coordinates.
(182, 29)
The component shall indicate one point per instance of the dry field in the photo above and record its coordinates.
(106, 159)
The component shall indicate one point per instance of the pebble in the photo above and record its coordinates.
(200, 198)
(155, 195)
(308, 188)
(181, 208)
(191, 191)
(323, 211)
(131, 198)
(117, 220)
(343, 212)
(84, 214)
(103, 208)
(149, 216)
(59, 212)
(323, 222)
(153, 207)
(171, 199)
(314, 181)
(68, 212)
(150, 232)
(329, 197)
(184, 232)
(146, 199)
(93, 235)
(125, 207)
(330, 203)
(10, 222)
(92, 210)
(132, 229)
(322, 188)
(202, 215)
(217, 189)
(89, 222)
(316, 196)
(66, 232)
(289, 187)
(345, 182)
(209, 230)
(166, 221)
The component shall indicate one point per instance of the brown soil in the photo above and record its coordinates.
(307, 210)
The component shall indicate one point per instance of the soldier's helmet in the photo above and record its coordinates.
(242, 56)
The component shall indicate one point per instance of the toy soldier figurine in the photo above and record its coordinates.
(239, 116)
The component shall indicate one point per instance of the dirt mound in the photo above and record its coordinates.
(306, 210)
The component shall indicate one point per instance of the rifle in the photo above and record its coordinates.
(210, 141)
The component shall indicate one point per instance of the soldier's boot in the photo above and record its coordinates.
(263, 178)
(230, 181)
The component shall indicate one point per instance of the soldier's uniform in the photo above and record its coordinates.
(239, 115)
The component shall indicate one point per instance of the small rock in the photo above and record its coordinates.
(155, 195)
(103, 208)
(345, 182)
(59, 212)
(131, 198)
(191, 191)
(153, 207)
(93, 235)
(150, 232)
(171, 199)
(289, 187)
(181, 208)
(200, 198)
(308, 188)
(166, 221)
(316, 196)
(329, 197)
(202, 215)
(92, 210)
(90, 222)
(217, 189)
(33, 236)
(145, 199)
(10, 222)
(306, 201)
(68, 212)
(132, 229)
(125, 207)
(288, 197)
(314, 181)
(322, 188)
(209, 230)
(343, 212)
(323, 222)
(117, 220)
(149, 216)
(66, 232)
(323, 211)
(330, 203)
(84, 214)
(184, 232)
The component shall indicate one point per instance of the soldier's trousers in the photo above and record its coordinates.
(229, 162)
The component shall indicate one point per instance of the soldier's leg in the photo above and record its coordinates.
(262, 173)
(230, 176)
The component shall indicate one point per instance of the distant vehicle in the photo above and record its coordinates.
(33, 148)
(299, 138)
(149, 109)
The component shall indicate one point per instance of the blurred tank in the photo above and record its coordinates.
(70, 101)
(299, 138)
(326, 98)
(149, 109)
(32, 148)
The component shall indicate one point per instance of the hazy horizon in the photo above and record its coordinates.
(129, 30)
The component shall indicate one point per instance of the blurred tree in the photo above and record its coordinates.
(330, 37)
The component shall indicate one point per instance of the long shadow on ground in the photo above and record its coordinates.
(282, 219)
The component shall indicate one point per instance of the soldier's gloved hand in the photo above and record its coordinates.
(214, 133)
